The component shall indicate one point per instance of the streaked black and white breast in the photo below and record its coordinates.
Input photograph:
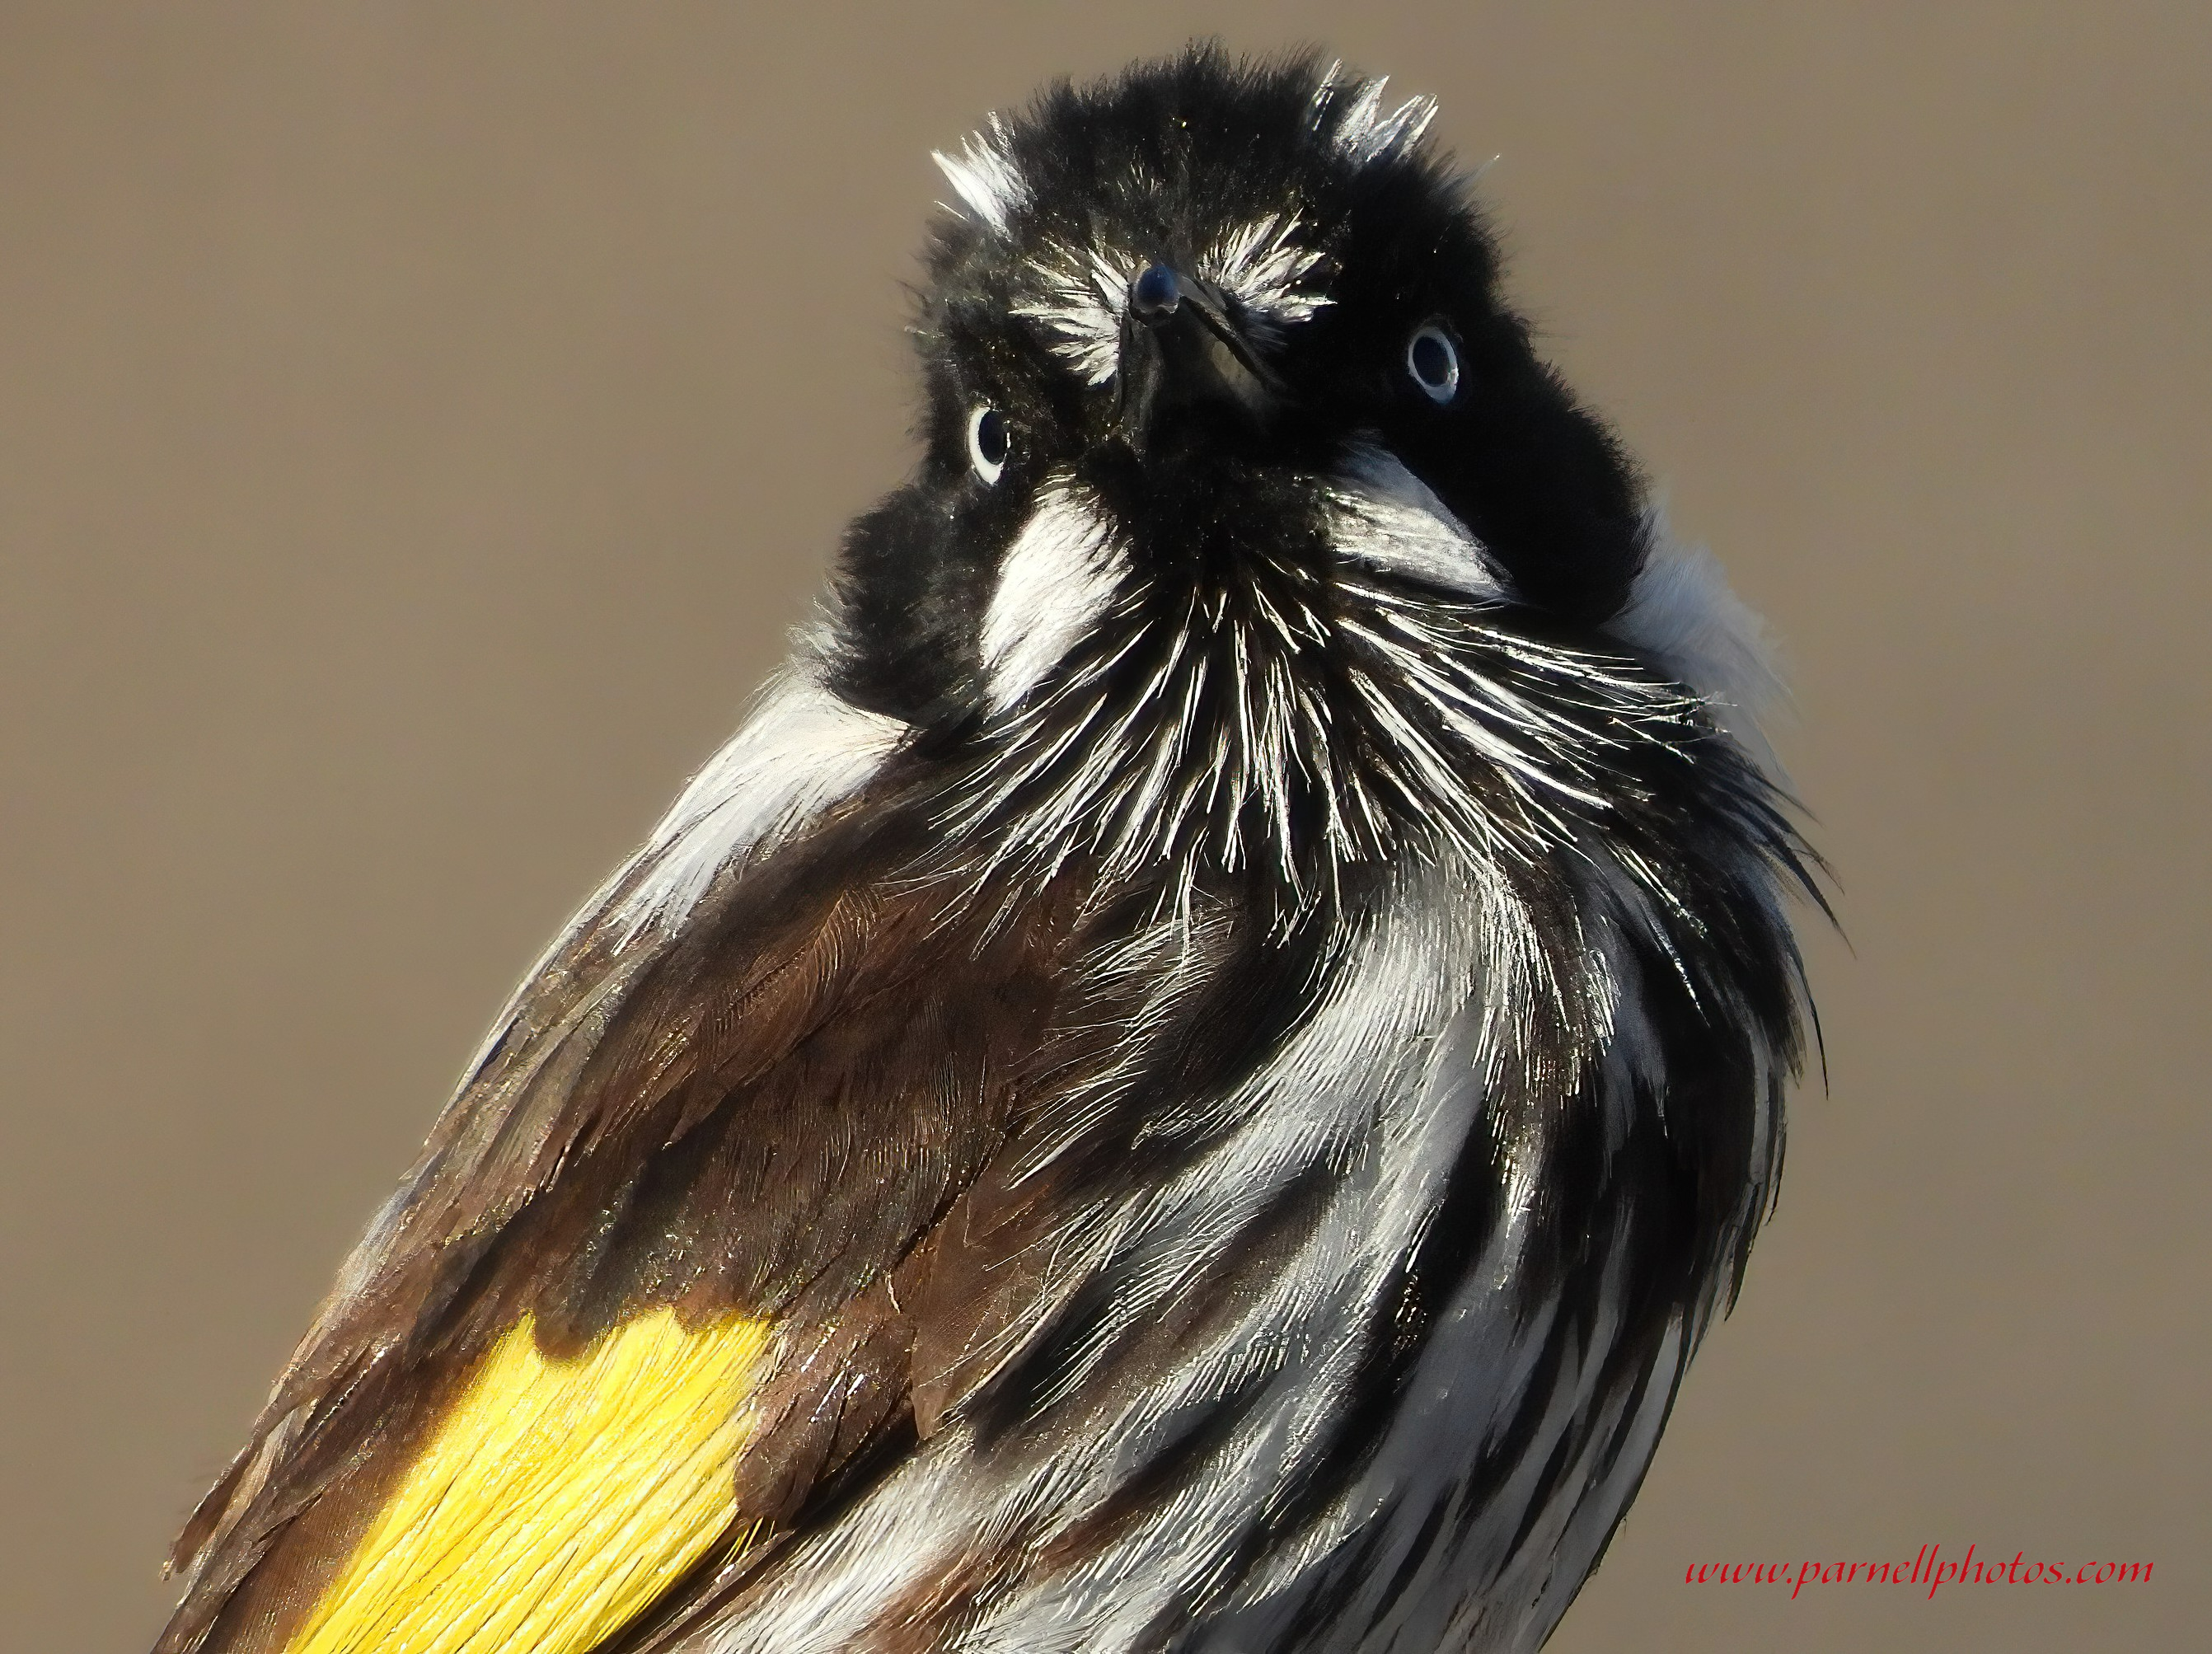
(1221, 1029)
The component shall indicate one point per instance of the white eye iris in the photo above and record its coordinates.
(989, 442)
(1433, 360)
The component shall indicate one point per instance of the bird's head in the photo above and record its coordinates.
(1248, 516)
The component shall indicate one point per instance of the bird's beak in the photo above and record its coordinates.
(1183, 360)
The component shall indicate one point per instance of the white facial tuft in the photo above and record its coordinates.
(1080, 301)
(1387, 520)
(1058, 580)
(1263, 266)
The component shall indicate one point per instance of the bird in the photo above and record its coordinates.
(1193, 1074)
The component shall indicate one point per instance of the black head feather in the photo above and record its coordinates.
(1327, 238)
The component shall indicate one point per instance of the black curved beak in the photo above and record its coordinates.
(1183, 360)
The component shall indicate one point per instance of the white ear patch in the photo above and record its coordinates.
(1386, 519)
(1058, 580)
(982, 175)
(1681, 613)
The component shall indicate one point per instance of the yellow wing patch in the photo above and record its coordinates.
(554, 1500)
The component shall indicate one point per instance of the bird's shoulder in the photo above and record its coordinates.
(685, 1179)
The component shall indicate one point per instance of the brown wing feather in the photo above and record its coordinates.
(762, 1114)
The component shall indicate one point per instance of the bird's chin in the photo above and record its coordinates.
(1210, 491)
(1204, 439)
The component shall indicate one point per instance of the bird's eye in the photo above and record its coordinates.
(989, 442)
(1433, 360)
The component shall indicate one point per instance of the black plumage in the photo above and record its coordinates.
(1229, 1010)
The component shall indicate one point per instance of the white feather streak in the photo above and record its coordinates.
(982, 175)
(1364, 135)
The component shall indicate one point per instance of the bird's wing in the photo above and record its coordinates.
(638, 1299)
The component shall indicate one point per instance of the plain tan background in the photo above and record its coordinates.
(419, 423)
